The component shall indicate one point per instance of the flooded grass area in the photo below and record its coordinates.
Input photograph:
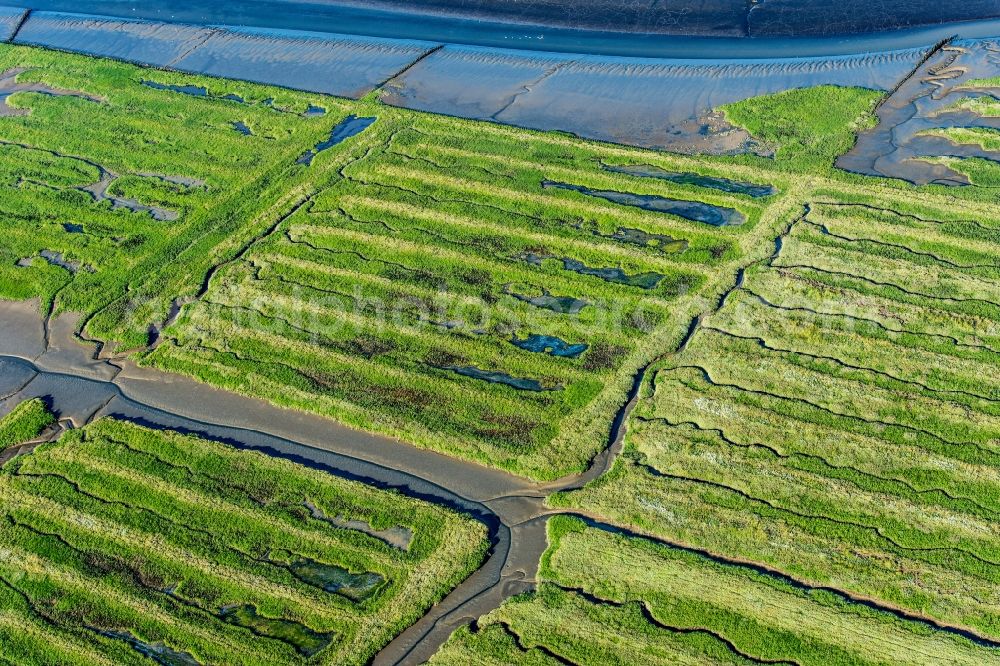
(191, 552)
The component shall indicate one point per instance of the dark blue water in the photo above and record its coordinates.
(696, 211)
(520, 383)
(345, 129)
(550, 344)
(705, 29)
(197, 91)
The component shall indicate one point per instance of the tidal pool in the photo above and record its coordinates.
(197, 91)
(647, 280)
(9, 86)
(691, 178)
(397, 537)
(661, 242)
(345, 129)
(546, 301)
(157, 651)
(549, 344)
(696, 211)
(242, 128)
(299, 636)
(56, 259)
(520, 383)
(337, 580)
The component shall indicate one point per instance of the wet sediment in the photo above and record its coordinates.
(925, 101)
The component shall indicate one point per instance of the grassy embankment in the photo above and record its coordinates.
(120, 542)
(612, 599)
(838, 417)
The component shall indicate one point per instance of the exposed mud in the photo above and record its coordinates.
(11, 19)
(397, 537)
(299, 60)
(653, 103)
(925, 100)
(81, 388)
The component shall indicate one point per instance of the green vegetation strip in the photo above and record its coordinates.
(611, 598)
(120, 542)
(838, 417)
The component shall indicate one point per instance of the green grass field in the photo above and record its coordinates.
(612, 599)
(122, 544)
(424, 279)
(838, 417)
(24, 423)
(491, 292)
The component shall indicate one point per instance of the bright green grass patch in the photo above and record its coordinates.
(157, 148)
(987, 82)
(984, 137)
(25, 422)
(982, 172)
(121, 540)
(808, 126)
(608, 598)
